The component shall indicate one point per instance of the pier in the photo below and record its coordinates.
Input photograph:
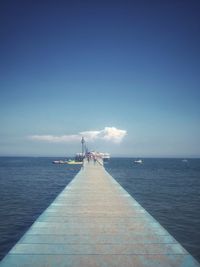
(94, 222)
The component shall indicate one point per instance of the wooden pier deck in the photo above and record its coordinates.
(94, 222)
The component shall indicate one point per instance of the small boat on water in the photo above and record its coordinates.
(78, 159)
(59, 162)
(138, 161)
(74, 162)
(70, 161)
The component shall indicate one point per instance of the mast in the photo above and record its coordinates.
(83, 146)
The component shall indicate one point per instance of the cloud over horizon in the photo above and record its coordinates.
(111, 134)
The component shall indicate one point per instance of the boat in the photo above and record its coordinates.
(74, 162)
(105, 156)
(59, 162)
(56, 162)
(70, 161)
(101, 155)
(78, 159)
(138, 161)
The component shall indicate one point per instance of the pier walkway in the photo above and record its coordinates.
(94, 222)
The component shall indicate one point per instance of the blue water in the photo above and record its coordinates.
(27, 187)
(169, 189)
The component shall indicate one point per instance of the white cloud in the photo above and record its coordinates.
(111, 134)
(55, 139)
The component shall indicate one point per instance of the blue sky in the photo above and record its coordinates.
(68, 67)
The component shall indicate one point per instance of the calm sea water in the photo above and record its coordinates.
(27, 187)
(169, 189)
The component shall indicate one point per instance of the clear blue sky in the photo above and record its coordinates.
(68, 67)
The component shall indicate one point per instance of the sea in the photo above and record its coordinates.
(169, 189)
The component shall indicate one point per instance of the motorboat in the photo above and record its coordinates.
(74, 162)
(59, 162)
(138, 161)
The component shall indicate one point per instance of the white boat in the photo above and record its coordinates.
(59, 162)
(138, 161)
(101, 155)
(104, 156)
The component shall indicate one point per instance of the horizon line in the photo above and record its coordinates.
(114, 156)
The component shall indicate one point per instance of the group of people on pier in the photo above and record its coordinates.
(93, 156)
